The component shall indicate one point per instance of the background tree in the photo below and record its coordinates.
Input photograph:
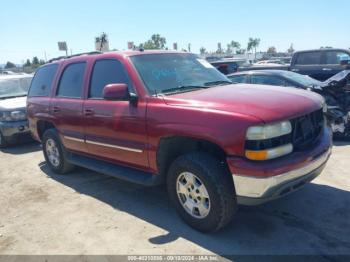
(235, 46)
(35, 61)
(291, 49)
(219, 50)
(229, 49)
(9, 65)
(240, 51)
(27, 63)
(253, 43)
(272, 50)
(156, 42)
(202, 51)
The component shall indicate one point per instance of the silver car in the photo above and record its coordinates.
(13, 119)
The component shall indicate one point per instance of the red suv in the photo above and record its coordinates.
(159, 117)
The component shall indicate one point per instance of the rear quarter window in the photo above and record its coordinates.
(42, 82)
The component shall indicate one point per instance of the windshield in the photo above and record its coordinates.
(301, 79)
(14, 87)
(173, 73)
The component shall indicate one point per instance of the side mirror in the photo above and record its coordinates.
(116, 92)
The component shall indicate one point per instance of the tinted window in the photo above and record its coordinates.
(72, 81)
(42, 82)
(106, 72)
(334, 57)
(267, 80)
(312, 58)
(238, 79)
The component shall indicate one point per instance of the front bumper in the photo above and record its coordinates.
(14, 131)
(255, 191)
(257, 183)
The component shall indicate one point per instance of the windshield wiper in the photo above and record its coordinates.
(184, 88)
(216, 83)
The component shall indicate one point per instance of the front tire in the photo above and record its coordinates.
(202, 191)
(54, 153)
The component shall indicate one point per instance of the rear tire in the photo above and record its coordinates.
(209, 203)
(54, 153)
(3, 142)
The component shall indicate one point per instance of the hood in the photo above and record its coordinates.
(13, 103)
(268, 103)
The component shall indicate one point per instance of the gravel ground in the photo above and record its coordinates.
(89, 213)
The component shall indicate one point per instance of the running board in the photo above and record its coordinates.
(121, 172)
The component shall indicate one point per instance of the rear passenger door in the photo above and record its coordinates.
(67, 106)
(309, 63)
(115, 130)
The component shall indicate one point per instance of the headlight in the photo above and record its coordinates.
(269, 131)
(16, 115)
(268, 141)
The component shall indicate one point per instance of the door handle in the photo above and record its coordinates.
(89, 112)
(327, 69)
(295, 70)
(56, 109)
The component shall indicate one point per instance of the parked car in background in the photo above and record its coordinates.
(13, 119)
(270, 62)
(319, 64)
(335, 90)
(229, 65)
(166, 117)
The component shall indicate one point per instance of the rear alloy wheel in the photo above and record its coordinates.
(54, 153)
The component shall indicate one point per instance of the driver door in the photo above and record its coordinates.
(115, 130)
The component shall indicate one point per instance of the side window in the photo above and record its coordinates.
(334, 57)
(238, 79)
(71, 82)
(311, 58)
(267, 80)
(42, 81)
(106, 72)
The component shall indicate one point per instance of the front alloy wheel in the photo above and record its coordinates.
(193, 195)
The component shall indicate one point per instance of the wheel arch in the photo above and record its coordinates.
(171, 147)
(42, 126)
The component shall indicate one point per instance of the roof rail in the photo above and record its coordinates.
(70, 56)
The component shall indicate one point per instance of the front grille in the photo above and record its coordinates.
(306, 129)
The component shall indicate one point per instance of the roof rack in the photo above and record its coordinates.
(70, 56)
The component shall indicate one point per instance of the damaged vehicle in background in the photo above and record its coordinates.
(13, 119)
(335, 90)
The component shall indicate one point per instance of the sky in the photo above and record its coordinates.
(33, 28)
